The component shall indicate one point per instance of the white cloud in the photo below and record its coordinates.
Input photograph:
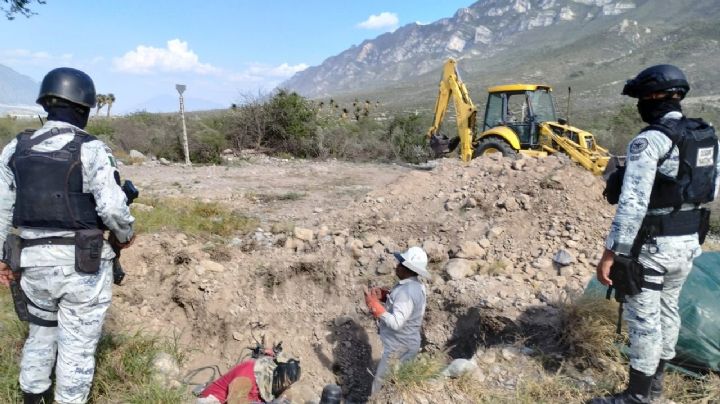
(176, 57)
(262, 73)
(25, 57)
(380, 21)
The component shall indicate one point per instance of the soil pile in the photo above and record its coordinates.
(508, 241)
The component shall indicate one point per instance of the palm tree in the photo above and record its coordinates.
(101, 100)
(109, 99)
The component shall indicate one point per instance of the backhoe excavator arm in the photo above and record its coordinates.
(465, 112)
(593, 160)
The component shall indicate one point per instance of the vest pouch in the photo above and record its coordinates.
(88, 250)
(11, 251)
(627, 275)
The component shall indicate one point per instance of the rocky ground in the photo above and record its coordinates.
(508, 240)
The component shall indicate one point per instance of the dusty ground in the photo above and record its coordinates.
(493, 231)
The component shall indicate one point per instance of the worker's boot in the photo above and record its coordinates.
(42, 398)
(637, 392)
(656, 387)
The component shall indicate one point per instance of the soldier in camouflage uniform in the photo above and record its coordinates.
(66, 300)
(652, 157)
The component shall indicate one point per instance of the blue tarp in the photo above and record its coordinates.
(698, 346)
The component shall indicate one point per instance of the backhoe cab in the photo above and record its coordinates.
(519, 118)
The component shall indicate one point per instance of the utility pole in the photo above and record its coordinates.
(181, 89)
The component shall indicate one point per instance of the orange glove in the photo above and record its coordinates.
(380, 293)
(373, 304)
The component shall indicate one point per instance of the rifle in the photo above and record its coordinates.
(131, 193)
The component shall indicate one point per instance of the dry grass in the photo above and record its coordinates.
(413, 376)
(123, 372)
(494, 268)
(683, 389)
(555, 388)
(267, 198)
(592, 366)
(192, 217)
(12, 336)
(589, 339)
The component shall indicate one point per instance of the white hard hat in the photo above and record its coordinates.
(414, 259)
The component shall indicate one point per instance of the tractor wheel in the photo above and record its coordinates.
(491, 145)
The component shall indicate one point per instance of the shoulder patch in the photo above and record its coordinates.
(112, 161)
(638, 145)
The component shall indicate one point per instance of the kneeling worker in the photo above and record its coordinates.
(400, 317)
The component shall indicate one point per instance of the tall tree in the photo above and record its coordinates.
(109, 100)
(100, 100)
(11, 8)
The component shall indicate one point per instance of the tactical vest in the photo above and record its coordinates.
(49, 185)
(697, 166)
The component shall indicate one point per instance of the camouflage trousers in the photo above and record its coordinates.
(652, 316)
(78, 302)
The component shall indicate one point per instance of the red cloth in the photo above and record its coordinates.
(219, 388)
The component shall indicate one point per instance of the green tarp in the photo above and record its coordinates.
(698, 346)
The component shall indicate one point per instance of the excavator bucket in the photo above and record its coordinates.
(440, 145)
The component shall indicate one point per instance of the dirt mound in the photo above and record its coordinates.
(508, 240)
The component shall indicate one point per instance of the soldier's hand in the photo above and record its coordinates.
(603, 267)
(123, 246)
(6, 274)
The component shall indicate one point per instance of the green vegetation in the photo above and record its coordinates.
(410, 377)
(12, 336)
(10, 127)
(123, 371)
(191, 217)
(284, 124)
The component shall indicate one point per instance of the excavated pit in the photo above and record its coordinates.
(490, 227)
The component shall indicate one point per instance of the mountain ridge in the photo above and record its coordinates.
(16, 88)
(563, 41)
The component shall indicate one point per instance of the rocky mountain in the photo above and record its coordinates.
(590, 44)
(17, 93)
(16, 88)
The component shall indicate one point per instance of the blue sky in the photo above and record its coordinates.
(222, 50)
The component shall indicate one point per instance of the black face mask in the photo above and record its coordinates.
(69, 113)
(652, 110)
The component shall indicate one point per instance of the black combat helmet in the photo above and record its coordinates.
(658, 78)
(68, 84)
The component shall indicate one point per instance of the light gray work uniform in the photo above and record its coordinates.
(400, 325)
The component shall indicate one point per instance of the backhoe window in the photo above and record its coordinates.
(542, 106)
(493, 112)
(517, 109)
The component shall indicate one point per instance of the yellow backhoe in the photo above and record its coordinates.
(519, 118)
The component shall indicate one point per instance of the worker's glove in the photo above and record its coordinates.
(373, 304)
(380, 293)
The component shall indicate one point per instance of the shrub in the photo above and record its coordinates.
(407, 138)
(292, 121)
